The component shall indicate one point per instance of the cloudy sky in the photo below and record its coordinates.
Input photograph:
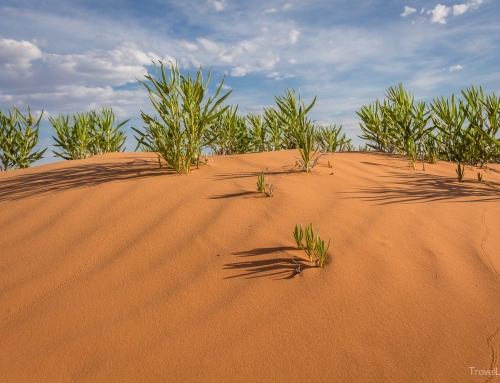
(69, 56)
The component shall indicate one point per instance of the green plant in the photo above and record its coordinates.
(87, 134)
(310, 238)
(328, 138)
(179, 133)
(261, 183)
(259, 135)
(18, 138)
(76, 139)
(293, 116)
(298, 234)
(460, 172)
(321, 250)
(314, 245)
(479, 177)
(108, 138)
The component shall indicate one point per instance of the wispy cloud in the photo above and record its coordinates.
(218, 5)
(408, 11)
(456, 67)
(270, 10)
(440, 12)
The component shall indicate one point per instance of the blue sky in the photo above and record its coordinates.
(72, 56)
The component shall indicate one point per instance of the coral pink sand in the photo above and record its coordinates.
(113, 270)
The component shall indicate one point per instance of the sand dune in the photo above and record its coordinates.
(113, 270)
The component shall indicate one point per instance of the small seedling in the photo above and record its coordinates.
(321, 250)
(298, 234)
(329, 165)
(479, 177)
(460, 172)
(310, 241)
(261, 183)
(314, 245)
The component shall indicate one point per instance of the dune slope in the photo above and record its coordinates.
(114, 270)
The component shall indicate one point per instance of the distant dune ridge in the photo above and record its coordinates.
(113, 270)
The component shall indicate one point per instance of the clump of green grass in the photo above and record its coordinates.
(479, 177)
(261, 183)
(321, 250)
(18, 138)
(460, 170)
(314, 246)
(298, 234)
(264, 187)
(87, 134)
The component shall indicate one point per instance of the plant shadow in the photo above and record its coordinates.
(419, 187)
(276, 268)
(230, 176)
(246, 194)
(56, 180)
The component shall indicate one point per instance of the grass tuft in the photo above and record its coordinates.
(460, 170)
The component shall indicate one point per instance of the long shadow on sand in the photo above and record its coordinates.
(35, 184)
(276, 268)
(245, 194)
(419, 187)
(230, 176)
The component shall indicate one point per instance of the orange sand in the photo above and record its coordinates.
(113, 270)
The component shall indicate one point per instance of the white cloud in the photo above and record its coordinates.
(439, 14)
(294, 35)
(225, 87)
(292, 61)
(419, 20)
(238, 72)
(460, 9)
(287, 6)
(273, 74)
(218, 5)
(209, 45)
(17, 53)
(476, 3)
(190, 46)
(456, 67)
(270, 10)
(228, 54)
(422, 10)
(265, 29)
(408, 11)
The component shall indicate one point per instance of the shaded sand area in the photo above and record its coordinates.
(113, 270)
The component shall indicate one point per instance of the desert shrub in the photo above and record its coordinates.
(278, 137)
(18, 138)
(109, 138)
(460, 130)
(259, 133)
(179, 131)
(301, 130)
(328, 138)
(82, 135)
(228, 134)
